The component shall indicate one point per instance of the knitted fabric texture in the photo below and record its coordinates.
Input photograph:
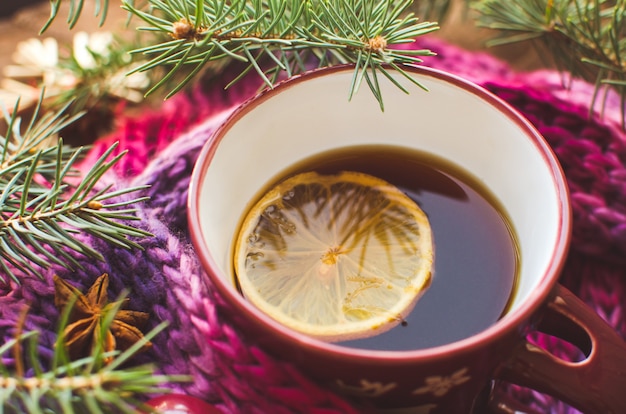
(166, 279)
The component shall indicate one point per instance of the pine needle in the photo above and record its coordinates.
(272, 36)
(42, 209)
(585, 38)
(86, 385)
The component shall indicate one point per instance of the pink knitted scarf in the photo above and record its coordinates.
(235, 374)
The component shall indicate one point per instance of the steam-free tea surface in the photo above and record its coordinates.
(334, 256)
(476, 259)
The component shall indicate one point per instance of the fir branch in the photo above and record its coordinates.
(92, 74)
(585, 37)
(75, 11)
(42, 209)
(87, 385)
(19, 149)
(99, 70)
(274, 36)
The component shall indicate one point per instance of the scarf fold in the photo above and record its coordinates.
(166, 279)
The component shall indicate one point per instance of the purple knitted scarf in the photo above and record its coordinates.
(166, 279)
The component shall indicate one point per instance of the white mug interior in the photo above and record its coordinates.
(453, 119)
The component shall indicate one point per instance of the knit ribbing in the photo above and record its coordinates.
(229, 369)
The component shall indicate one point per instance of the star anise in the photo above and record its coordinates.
(84, 326)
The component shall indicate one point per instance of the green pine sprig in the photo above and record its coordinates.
(43, 204)
(75, 10)
(586, 38)
(103, 83)
(274, 37)
(86, 385)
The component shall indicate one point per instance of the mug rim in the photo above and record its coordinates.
(512, 321)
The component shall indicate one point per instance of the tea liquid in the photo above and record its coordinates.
(476, 256)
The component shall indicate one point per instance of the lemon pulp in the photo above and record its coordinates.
(336, 257)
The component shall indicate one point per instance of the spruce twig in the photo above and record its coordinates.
(90, 72)
(75, 10)
(87, 385)
(274, 37)
(43, 208)
(586, 38)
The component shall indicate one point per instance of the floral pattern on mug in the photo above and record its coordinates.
(440, 385)
(367, 388)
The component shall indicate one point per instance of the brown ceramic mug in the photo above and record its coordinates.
(473, 129)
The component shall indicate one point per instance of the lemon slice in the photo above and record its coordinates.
(336, 257)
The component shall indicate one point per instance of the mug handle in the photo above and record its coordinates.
(595, 385)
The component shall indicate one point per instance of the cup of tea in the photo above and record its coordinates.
(497, 205)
